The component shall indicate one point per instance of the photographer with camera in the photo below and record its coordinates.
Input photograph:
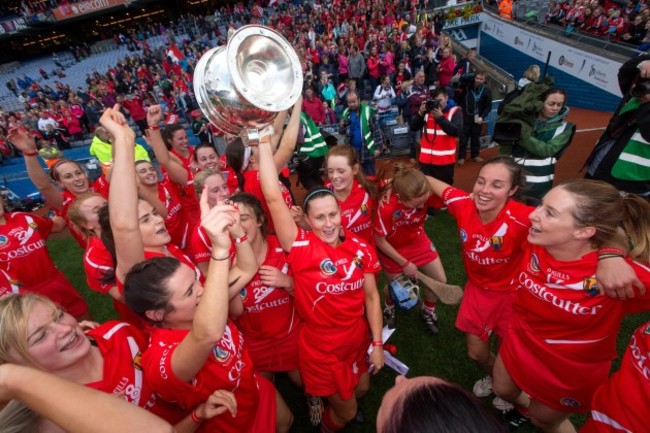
(622, 152)
(476, 101)
(441, 122)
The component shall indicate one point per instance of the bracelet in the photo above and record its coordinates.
(377, 344)
(33, 153)
(611, 250)
(241, 239)
(219, 260)
(154, 127)
(610, 256)
(405, 263)
(196, 418)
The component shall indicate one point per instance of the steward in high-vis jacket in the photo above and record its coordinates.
(441, 125)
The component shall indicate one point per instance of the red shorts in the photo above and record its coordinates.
(266, 416)
(485, 311)
(419, 253)
(332, 362)
(549, 376)
(59, 290)
(275, 354)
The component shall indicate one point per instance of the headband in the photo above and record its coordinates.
(315, 192)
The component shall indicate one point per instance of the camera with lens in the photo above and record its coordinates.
(641, 87)
(432, 104)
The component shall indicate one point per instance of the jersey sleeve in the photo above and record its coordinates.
(157, 365)
(101, 186)
(383, 220)
(455, 200)
(44, 225)
(97, 268)
(200, 246)
(640, 302)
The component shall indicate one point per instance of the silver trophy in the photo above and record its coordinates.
(242, 86)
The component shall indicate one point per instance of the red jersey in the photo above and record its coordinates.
(252, 185)
(99, 186)
(8, 285)
(563, 333)
(229, 367)
(188, 196)
(228, 174)
(560, 302)
(175, 222)
(173, 251)
(621, 404)
(401, 225)
(98, 262)
(121, 347)
(329, 280)
(23, 252)
(356, 212)
(491, 252)
(269, 312)
(201, 246)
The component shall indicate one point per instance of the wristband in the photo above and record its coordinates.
(218, 259)
(405, 263)
(377, 344)
(611, 250)
(154, 127)
(32, 153)
(196, 418)
(241, 239)
(609, 256)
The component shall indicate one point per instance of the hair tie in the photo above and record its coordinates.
(624, 194)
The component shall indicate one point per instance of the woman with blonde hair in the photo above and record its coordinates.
(562, 338)
(402, 243)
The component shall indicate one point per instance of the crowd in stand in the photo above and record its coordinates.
(625, 22)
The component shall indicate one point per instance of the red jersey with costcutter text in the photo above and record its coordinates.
(622, 403)
(121, 347)
(399, 224)
(560, 302)
(356, 211)
(228, 367)
(329, 280)
(252, 185)
(269, 312)
(23, 252)
(491, 252)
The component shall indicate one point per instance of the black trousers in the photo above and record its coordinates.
(470, 135)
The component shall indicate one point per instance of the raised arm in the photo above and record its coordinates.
(437, 185)
(246, 265)
(285, 227)
(289, 137)
(75, 408)
(174, 168)
(123, 194)
(27, 145)
(211, 314)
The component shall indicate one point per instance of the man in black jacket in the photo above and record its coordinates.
(476, 102)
